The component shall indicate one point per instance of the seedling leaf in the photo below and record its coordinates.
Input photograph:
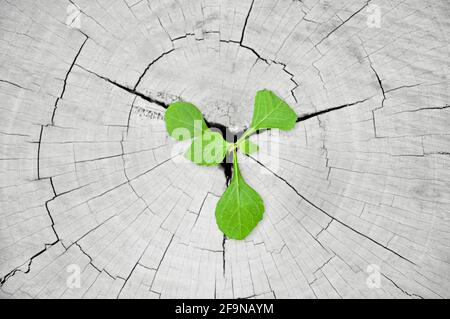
(184, 121)
(208, 149)
(240, 208)
(272, 112)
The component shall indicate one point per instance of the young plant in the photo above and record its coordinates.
(240, 208)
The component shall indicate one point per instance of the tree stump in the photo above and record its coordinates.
(96, 200)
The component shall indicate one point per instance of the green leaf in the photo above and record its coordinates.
(184, 121)
(208, 149)
(272, 112)
(248, 147)
(240, 208)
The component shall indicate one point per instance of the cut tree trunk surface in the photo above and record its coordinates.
(97, 201)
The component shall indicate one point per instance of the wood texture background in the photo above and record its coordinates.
(358, 204)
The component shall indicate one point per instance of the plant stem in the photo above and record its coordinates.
(246, 134)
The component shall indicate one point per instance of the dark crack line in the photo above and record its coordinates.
(374, 124)
(200, 209)
(165, 252)
(128, 89)
(39, 153)
(14, 271)
(65, 80)
(202, 249)
(223, 254)
(111, 276)
(222, 128)
(402, 290)
(46, 246)
(90, 258)
(259, 57)
(49, 214)
(148, 67)
(182, 37)
(126, 279)
(104, 269)
(195, 37)
(129, 117)
(71, 67)
(138, 263)
(380, 83)
(343, 22)
(330, 216)
(323, 265)
(226, 165)
(15, 84)
(14, 134)
(403, 87)
(323, 229)
(425, 108)
(97, 159)
(245, 23)
(161, 260)
(311, 115)
(162, 26)
(17, 269)
(292, 79)
(315, 114)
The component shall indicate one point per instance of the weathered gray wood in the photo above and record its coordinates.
(357, 198)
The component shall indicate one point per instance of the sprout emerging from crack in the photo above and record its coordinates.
(240, 208)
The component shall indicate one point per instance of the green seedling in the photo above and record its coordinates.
(240, 208)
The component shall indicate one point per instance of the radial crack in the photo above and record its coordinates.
(148, 67)
(161, 260)
(14, 84)
(245, 23)
(65, 80)
(380, 83)
(223, 254)
(18, 269)
(90, 258)
(399, 288)
(425, 108)
(335, 108)
(259, 57)
(39, 153)
(128, 89)
(329, 215)
(343, 22)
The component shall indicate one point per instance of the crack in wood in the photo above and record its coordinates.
(389, 184)
(329, 215)
(65, 81)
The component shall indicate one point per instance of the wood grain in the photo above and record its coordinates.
(357, 195)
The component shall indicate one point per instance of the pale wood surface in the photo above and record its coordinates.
(87, 171)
